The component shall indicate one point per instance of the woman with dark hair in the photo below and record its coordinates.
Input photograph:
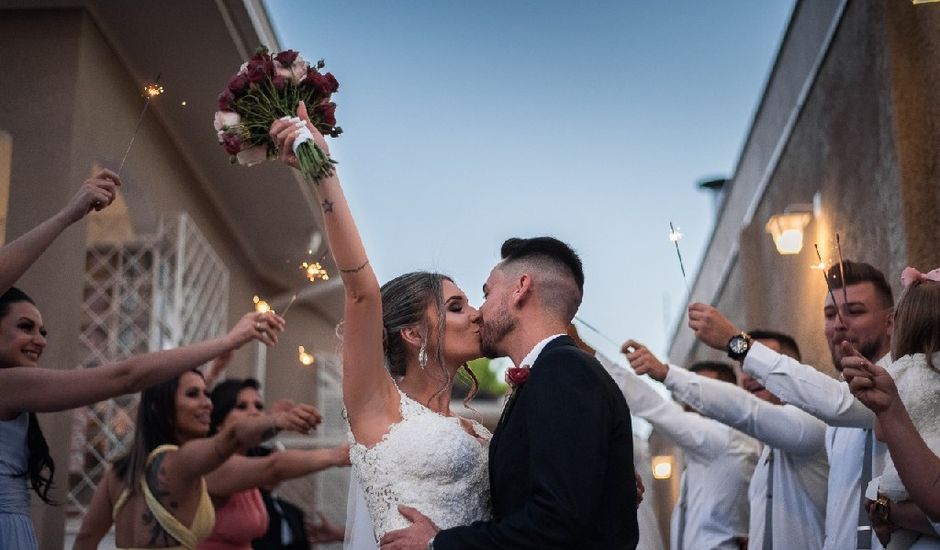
(26, 390)
(403, 345)
(234, 486)
(156, 494)
(904, 502)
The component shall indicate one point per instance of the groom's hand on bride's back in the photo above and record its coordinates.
(415, 537)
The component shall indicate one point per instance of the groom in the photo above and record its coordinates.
(561, 459)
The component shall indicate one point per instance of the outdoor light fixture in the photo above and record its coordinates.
(924, 1)
(662, 467)
(787, 228)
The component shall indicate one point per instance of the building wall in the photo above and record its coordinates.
(70, 105)
(866, 146)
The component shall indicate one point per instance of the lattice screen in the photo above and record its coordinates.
(149, 293)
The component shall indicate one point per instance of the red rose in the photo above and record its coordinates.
(279, 82)
(325, 113)
(226, 100)
(260, 70)
(517, 376)
(238, 85)
(286, 57)
(232, 144)
(316, 81)
(331, 84)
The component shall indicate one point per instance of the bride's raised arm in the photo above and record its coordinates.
(367, 387)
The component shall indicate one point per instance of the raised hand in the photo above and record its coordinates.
(643, 361)
(257, 326)
(96, 193)
(870, 384)
(710, 326)
(284, 132)
(301, 419)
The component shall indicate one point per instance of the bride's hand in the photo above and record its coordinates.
(284, 132)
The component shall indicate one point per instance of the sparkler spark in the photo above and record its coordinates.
(260, 305)
(306, 359)
(314, 271)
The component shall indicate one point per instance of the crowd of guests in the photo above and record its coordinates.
(195, 475)
(788, 457)
(777, 453)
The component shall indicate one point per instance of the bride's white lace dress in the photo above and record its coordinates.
(427, 461)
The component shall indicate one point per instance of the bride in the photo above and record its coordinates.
(403, 345)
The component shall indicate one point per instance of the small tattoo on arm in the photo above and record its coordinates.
(327, 206)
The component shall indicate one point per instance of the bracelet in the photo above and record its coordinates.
(355, 269)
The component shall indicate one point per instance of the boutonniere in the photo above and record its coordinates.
(517, 376)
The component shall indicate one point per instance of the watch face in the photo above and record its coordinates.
(737, 345)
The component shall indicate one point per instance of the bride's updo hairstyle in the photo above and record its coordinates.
(917, 321)
(405, 301)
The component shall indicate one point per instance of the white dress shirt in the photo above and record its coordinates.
(850, 423)
(795, 440)
(534, 353)
(719, 464)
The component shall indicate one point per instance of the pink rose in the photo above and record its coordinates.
(224, 119)
(252, 155)
(517, 376)
(299, 69)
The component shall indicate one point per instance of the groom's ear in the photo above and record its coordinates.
(523, 290)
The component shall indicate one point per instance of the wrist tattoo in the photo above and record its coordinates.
(355, 269)
(327, 206)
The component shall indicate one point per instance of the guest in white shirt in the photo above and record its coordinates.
(712, 511)
(858, 312)
(789, 482)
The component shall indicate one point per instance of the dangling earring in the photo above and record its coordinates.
(423, 356)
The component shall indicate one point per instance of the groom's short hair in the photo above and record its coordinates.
(561, 285)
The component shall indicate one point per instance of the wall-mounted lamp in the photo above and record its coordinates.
(787, 228)
(662, 467)
(924, 1)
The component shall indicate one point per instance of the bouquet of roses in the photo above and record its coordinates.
(266, 88)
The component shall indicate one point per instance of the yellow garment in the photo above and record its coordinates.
(203, 521)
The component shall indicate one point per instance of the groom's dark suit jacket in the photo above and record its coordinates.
(561, 462)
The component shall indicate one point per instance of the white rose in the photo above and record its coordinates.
(225, 119)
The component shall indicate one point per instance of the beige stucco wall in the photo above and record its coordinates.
(69, 103)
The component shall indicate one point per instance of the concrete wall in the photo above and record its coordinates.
(68, 103)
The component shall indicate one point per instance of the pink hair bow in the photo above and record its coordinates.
(910, 275)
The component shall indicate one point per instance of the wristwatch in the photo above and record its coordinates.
(738, 346)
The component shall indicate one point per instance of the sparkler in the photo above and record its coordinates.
(599, 333)
(675, 236)
(150, 91)
(845, 293)
(292, 300)
(314, 271)
(828, 285)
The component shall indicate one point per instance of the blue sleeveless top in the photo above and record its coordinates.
(16, 528)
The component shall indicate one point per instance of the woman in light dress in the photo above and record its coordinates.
(904, 501)
(403, 345)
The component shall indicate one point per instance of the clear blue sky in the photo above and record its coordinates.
(470, 122)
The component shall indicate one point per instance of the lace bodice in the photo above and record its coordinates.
(426, 461)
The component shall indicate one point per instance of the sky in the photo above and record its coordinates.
(467, 123)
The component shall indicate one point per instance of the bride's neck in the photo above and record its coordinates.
(428, 388)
